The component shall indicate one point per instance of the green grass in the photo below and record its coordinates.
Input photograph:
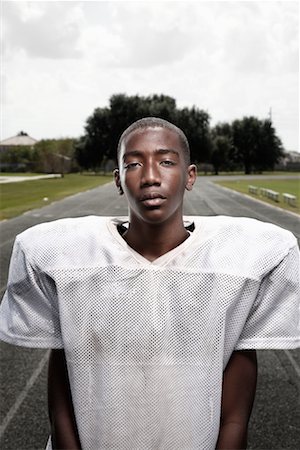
(281, 186)
(16, 198)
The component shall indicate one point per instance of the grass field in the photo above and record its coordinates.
(281, 186)
(17, 198)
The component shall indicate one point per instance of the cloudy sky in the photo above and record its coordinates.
(62, 59)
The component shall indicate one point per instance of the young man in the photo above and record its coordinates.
(153, 319)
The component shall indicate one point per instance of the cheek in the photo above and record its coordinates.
(130, 186)
(127, 180)
(177, 183)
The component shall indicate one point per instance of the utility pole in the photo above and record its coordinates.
(270, 114)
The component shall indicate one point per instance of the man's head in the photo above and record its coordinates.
(154, 170)
(156, 122)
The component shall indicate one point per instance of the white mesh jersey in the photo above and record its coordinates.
(146, 343)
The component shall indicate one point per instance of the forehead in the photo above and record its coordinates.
(151, 137)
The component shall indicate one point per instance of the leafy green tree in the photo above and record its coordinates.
(245, 137)
(195, 124)
(220, 155)
(269, 149)
(92, 148)
(18, 158)
(105, 126)
(224, 155)
(257, 146)
(222, 129)
(249, 143)
(125, 110)
(54, 155)
(161, 106)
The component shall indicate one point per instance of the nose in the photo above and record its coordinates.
(150, 175)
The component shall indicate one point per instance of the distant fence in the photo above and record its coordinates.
(290, 199)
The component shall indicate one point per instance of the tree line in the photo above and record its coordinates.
(46, 156)
(248, 144)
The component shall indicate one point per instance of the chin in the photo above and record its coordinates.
(153, 216)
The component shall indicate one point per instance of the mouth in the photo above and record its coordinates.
(151, 196)
(152, 199)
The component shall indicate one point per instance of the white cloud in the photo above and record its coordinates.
(42, 30)
(63, 59)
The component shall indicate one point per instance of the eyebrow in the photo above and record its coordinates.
(160, 151)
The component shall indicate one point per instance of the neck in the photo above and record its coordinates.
(154, 240)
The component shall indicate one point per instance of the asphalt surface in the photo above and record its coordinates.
(275, 422)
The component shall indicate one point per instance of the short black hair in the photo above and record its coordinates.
(156, 122)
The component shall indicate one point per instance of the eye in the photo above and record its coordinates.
(131, 165)
(167, 162)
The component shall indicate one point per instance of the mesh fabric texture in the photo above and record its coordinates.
(146, 343)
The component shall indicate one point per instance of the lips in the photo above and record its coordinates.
(151, 196)
(152, 199)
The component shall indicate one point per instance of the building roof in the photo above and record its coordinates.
(20, 139)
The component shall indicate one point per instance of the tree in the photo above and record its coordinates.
(257, 146)
(125, 110)
(224, 152)
(221, 153)
(269, 149)
(245, 136)
(17, 158)
(195, 124)
(92, 148)
(54, 155)
(105, 126)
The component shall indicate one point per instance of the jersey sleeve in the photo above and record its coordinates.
(274, 319)
(29, 313)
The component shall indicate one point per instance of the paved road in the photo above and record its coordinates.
(24, 425)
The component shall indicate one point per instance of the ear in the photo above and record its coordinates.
(191, 177)
(118, 181)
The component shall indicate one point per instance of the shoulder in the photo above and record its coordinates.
(55, 241)
(242, 244)
(60, 229)
(241, 228)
